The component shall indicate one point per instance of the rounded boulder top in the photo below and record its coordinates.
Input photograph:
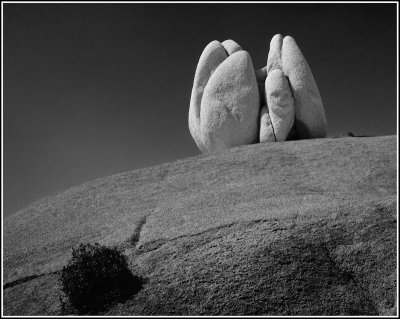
(310, 115)
(224, 104)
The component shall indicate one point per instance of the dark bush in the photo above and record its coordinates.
(343, 134)
(97, 276)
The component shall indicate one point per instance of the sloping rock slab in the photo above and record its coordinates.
(294, 228)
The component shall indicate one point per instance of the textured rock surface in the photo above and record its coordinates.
(224, 106)
(274, 55)
(266, 130)
(296, 228)
(225, 116)
(280, 104)
(310, 119)
(230, 105)
(231, 46)
(310, 114)
(213, 55)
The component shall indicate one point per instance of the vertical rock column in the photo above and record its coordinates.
(310, 120)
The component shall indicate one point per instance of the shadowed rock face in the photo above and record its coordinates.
(280, 105)
(267, 133)
(235, 111)
(289, 228)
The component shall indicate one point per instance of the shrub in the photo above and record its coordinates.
(96, 276)
(343, 134)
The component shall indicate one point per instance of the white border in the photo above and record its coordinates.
(201, 2)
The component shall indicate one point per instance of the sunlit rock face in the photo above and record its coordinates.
(310, 115)
(224, 107)
(232, 104)
(213, 55)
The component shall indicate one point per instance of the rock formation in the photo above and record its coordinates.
(224, 107)
(310, 116)
(279, 102)
(233, 105)
(267, 133)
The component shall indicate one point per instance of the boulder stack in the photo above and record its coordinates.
(233, 105)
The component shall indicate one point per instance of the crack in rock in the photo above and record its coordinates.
(28, 278)
(134, 239)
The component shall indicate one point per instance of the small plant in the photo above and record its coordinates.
(343, 134)
(97, 276)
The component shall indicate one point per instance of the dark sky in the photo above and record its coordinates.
(96, 89)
